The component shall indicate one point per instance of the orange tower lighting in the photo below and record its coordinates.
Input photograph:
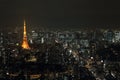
(25, 44)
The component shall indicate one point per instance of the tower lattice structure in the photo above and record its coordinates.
(25, 44)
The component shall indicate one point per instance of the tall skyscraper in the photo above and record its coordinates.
(25, 44)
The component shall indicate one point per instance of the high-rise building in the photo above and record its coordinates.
(25, 44)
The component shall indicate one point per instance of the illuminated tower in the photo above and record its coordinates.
(25, 42)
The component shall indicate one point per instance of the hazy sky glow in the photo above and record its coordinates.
(59, 12)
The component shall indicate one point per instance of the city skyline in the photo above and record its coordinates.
(59, 40)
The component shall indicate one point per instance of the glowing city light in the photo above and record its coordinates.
(25, 42)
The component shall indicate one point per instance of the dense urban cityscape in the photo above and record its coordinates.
(60, 55)
(59, 40)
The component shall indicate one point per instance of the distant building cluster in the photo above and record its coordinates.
(82, 40)
(85, 41)
(77, 37)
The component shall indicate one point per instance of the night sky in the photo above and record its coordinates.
(59, 12)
